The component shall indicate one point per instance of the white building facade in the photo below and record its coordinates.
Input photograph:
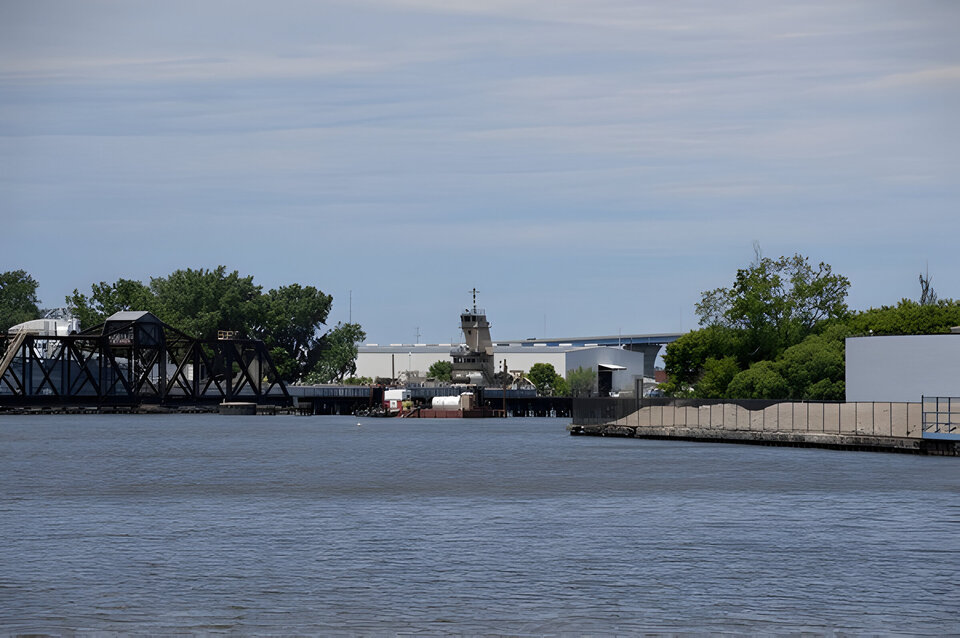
(902, 368)
(618, 370)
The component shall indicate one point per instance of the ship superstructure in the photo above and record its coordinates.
(473, 361)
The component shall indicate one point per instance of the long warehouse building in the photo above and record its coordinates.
(621, 361)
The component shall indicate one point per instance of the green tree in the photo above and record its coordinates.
(106, 299)
(827, 390)
(541, 375)
(685, 358)
(907, 318)
(441, 370)
(545, 379)
(358, 381)
(202, 302)
(759, 381)
(560, 387)
(717, 375)
(197, 302)
(18, 298)
(288, 321)
(775, 304)
(582, 381)
(814, 368)
(338, 354)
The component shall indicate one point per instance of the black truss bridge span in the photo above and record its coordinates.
(134, 358)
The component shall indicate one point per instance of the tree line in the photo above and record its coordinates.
(778, 333)
(289, 319)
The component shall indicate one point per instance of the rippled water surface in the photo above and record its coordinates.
(321, 525)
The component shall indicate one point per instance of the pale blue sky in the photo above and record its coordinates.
(589, 165)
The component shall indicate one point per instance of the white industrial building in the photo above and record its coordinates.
(903, 368)
(618, 369)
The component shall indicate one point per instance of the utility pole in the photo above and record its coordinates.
(350, 320)
(504, 388)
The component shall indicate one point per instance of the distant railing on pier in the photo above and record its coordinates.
(596, 410)
(862, 418)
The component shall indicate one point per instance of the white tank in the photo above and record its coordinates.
(47, 327)
(445, 403)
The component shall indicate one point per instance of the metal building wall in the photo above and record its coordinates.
(902, 368)
(623, 380)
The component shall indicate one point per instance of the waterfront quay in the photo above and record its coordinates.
(303, 400)
(333, 399)
(866, 426)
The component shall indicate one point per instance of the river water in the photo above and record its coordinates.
(327, 525)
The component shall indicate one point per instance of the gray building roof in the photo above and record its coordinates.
(127, 316)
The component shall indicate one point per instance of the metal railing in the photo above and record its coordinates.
(596, 410)
(941, 415)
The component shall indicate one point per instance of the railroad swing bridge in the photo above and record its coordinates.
(133, 357)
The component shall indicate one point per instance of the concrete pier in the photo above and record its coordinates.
(865, 443)
(879, 427)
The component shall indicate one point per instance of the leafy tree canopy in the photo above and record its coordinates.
(685, 358)
(288, 320)
(545, 379)
(775, 304)
(201, 302)
(907, 318)
(760, 381)
(198, 302)
(106, 299)
(783, 323)
(338, 354)
(717, 375)
(814, 368)
(441, 370)
(560, 387)
(582, 381)
(18, 298)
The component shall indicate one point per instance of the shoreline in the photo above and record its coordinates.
(846, 442)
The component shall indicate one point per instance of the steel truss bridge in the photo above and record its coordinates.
(135, 358)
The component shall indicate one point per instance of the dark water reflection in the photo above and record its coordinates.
(277, 525)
